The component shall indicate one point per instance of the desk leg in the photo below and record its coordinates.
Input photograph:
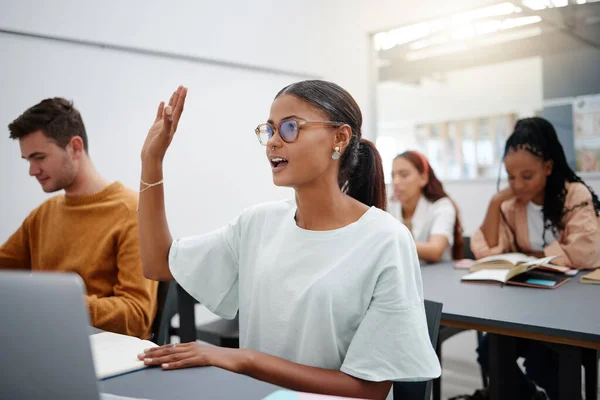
(590, 363)
(569, 372)
(503, 356)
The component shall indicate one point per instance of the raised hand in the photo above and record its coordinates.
(165, 124)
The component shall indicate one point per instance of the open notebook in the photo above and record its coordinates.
(519, 269)
(511, 260)
(116, 354)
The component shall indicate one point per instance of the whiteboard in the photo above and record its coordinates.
(215, 167)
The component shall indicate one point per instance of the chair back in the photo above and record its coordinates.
(422, 390)
(166, 309)
(467, 253)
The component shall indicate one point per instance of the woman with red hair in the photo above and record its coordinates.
(426, 209)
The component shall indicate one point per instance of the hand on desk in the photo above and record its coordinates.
(187, 355)
(267, 368)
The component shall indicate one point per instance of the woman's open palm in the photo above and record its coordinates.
(162, 131)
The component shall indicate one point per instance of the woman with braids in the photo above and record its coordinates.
(425, 208)
(327, 285)
(547, 211)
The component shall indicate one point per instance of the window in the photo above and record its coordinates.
(460, 149)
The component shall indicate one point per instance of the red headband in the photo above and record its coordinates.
(423, 161)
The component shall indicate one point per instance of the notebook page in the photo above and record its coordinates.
(546, 262)
(116, 354)
(498, 275)
(108, 396)
(513, 258)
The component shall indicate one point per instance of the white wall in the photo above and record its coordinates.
(215, 167)
(260, 32)
(509, 87)
(117, 92)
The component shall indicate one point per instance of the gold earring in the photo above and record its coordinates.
(336, 154)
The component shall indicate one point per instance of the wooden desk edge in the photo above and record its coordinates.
(522, 334)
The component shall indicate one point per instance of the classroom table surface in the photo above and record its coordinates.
(191, 383)
(568, 314)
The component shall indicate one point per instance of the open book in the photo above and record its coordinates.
(116, 354)
(593, 277)
(511, 260)
(519, 269)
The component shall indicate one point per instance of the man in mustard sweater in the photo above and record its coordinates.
(90, 230)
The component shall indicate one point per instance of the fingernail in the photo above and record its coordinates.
(168, 110)
(147, 360)
(146, 350)
(165, 365)
(141, 355)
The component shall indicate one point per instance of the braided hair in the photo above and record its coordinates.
(537, 136)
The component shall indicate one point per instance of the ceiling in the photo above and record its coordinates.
(493, 34)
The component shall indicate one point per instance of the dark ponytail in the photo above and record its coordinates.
(368, 171)
(361, 170)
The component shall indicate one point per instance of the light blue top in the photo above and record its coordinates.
(348, 299)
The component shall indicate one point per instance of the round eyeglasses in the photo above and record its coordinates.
(288, 129)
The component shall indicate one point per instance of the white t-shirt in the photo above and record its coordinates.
(348, 299)
(431, 218)
(535, 226)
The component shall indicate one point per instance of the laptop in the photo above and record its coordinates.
(44, 338)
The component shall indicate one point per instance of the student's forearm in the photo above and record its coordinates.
(14, 254)
(429, 252)
(120, 314)
(7, 263)
(303, 378)
(155, 237)
(491, 224)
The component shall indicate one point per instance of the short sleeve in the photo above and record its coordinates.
(207, 267)
(444, 219)
(392, 342)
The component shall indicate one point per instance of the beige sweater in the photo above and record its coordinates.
(578, 245)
